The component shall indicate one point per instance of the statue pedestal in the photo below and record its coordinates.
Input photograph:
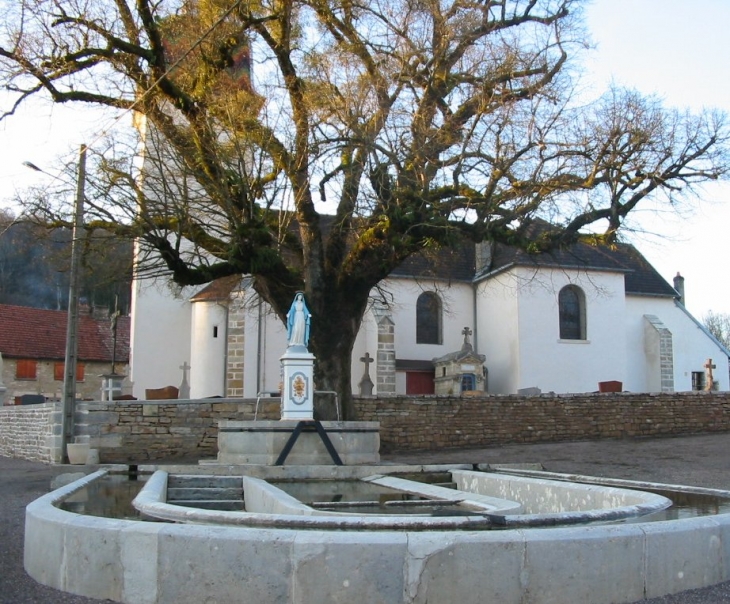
(262, 442)
(297, 397)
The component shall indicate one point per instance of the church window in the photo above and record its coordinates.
(698, 380)
(572, 310)
(428, 319)
(215, 331)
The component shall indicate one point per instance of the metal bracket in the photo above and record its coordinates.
(308, 426)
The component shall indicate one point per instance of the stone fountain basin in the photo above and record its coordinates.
(154, 562)
(494, 499)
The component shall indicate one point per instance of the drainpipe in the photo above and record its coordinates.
(474, 311)
(259, 344)
(225, 347)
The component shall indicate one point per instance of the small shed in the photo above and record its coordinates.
(461, 371)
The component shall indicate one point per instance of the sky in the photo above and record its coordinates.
(677, 50)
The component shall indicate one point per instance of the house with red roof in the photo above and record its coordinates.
(33, 346)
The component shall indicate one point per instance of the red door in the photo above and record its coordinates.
(419, 382)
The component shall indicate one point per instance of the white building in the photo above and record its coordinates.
(560, 322)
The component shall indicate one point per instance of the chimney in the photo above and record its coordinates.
(679, 286)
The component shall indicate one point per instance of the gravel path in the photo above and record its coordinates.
(693, 460)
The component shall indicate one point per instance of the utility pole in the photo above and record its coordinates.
(72, 328)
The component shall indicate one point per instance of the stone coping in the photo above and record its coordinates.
(563, 502)
(496, 499)
(151, 501)
(154, 562)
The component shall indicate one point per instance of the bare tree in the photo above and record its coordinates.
(718, 324)
(368, 132)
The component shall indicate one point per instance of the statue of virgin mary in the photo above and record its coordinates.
(297, 322)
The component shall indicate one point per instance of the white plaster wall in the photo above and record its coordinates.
(692, 347)
(160, 335)
(565, 366)
(208, 349)
(457, 313)
(262, 368)
(457, 306)
(498, 333)
(519, 328)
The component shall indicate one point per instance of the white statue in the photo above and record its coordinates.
(297, 322)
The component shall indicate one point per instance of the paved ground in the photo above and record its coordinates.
(694, 460)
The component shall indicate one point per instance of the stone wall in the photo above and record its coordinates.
(141, 431)
(446, 422)
(31, 432)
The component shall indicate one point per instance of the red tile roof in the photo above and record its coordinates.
(36, 333)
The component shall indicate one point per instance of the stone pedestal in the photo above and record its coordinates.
(297, 397)
(261, 442)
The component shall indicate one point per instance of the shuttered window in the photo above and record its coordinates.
(26, 369)
(59, 371)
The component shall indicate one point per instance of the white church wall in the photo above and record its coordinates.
(265, 343)
(691, 346)
(497, 332)
(565, 366)
(160, 336)
(519, 328)
(208, 349)
(457, 313)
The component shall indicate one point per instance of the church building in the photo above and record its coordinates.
(485, 318)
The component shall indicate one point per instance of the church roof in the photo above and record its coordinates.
(458, 263)
(37, 333)
(640, 277)
(455, 263)
(220, 289)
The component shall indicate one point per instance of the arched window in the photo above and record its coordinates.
(572, 305)
(428, 319)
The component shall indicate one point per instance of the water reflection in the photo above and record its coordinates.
(109, 497)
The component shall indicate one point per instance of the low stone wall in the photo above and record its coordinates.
(445, 422)
(31, 432)
(140, 431)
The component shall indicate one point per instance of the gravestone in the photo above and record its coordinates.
(460, 372)
(184, 391)
(531, 391)
(709, 378)
(159, 394)
(366, 384)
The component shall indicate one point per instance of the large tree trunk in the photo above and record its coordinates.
(333, 333)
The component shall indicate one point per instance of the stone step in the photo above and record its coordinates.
(229, 505)
(175, 494)
(204, 481)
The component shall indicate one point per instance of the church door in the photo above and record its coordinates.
(419, 382)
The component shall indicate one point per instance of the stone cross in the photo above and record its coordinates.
(184, 390)
(708, 372)
(366, 384)
(467, 344)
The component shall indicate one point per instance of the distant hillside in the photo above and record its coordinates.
(35, 261)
